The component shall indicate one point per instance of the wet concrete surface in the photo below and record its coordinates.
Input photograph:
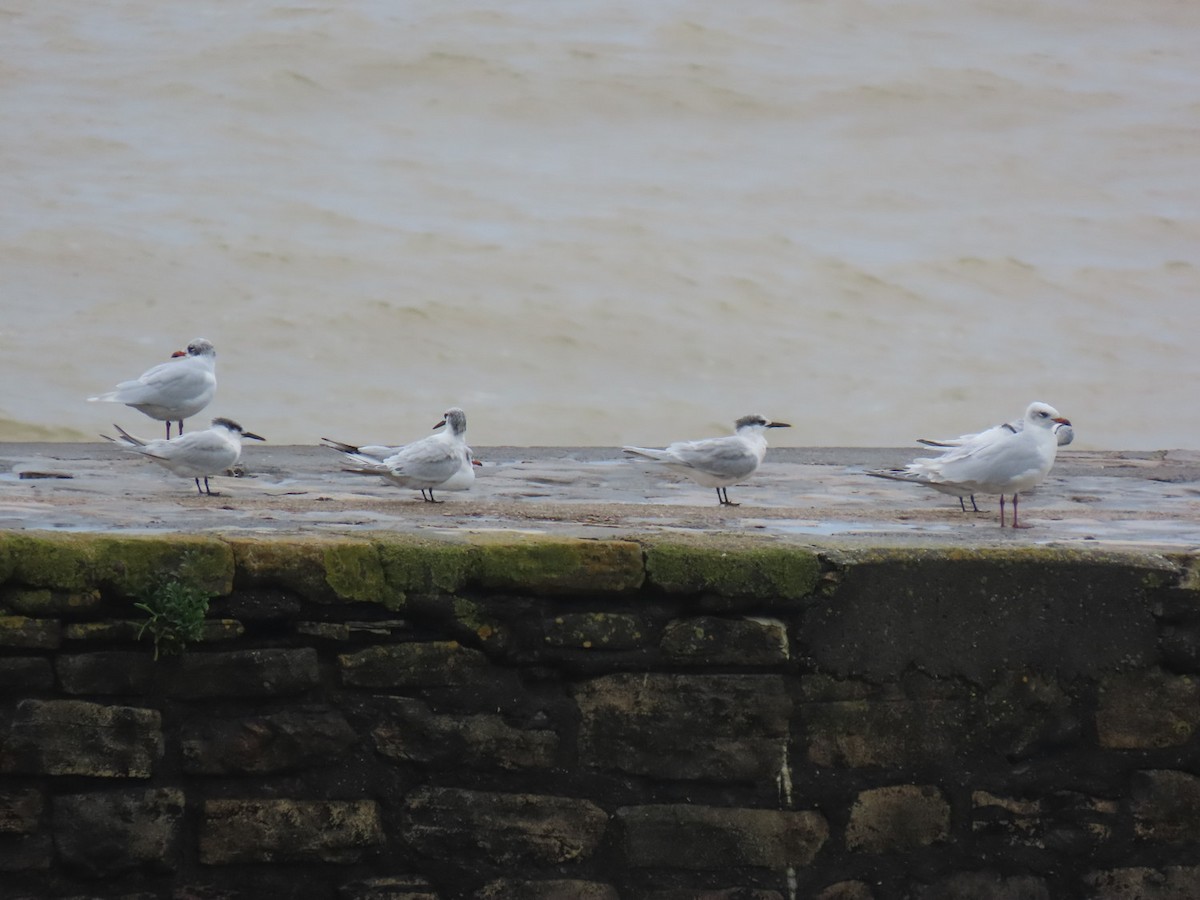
(810, 495)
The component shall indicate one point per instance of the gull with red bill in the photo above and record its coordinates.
(174, 390)
(1001, 460)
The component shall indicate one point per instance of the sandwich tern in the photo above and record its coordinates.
(717, 462)
(197, 454)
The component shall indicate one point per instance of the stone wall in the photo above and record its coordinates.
(379, 718)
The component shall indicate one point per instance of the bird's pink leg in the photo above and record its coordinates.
(1014, 524)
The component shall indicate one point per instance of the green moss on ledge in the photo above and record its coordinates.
(559, 565)
(125, 566)
(423, 566)
(324, 570)
(732, 569)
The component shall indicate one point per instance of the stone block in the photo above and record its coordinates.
(596, 631)
(389, 887)
(45, 603)
(421, 566)
(986, 886)
(408, 731)
(712, 727)
(538, 565)
(21, 674)
(503, 829)
(553, 889)
(1029, 715)
(121, 565)
(72, 737)
(1147, 710)
(32, 634)
(1166, 806)
(25, 853)
(1062, 821)
(280, 742)
(1143, 883)
(687, 836)
(109, 672)
(323, 570)
(415, 664)
(846, 890)
(101, 835)
(714, 641)
(973, 614)
(734, 893)
(889, 733)
(20, 810)
(282, 831)
(246, 673)
(897, 819)
(731, 573)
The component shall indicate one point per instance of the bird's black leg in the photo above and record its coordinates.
(724, 500)
(1001, 510)
(973, 506)
(198, 490)
(168, 429)
(179, 430)
(963, 505)
(431, 500)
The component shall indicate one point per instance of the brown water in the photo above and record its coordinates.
(606, 222)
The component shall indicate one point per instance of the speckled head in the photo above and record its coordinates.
(456, 418)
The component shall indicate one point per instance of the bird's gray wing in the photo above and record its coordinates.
(718, 456)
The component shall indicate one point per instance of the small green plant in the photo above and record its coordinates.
(176, 612)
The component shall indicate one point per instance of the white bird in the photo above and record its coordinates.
(174, 390)
(1000, 460)
(717, 462)
(1063, 433)
(442, 461)
(198, 454)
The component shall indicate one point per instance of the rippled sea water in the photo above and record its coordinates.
(606, 222)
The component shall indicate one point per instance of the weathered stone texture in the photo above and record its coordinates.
(110, 672)
(410, 732)
(104, 834)
(898, 818)
(560, 566)
(728, 575)
(686, 836)
(1147, 710)
(976, 614)
(72, 737)
(25, 673)
(20, 810)
(413, 665)
(724, 727)
(505, 829)
(274, 831)
(281, 742)
(710, 640)
(390, 887)
(27, 852)
(246, 673)
(987, 886)
(555, 889)
(1166, 806)
(846, 890)
(596, 631)
(24, 632)
(1141, 883)
(893, 733)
